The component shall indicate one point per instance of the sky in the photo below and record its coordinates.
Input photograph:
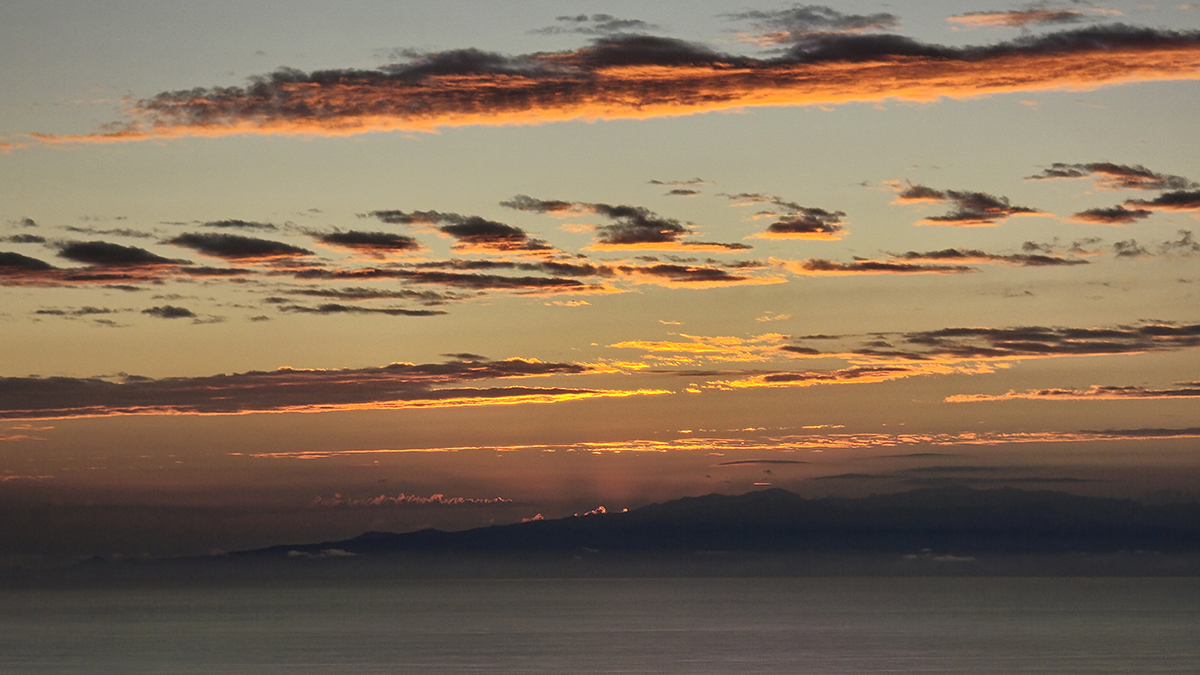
(281, 272)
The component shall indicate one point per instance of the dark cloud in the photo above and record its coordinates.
(975, 255)
(855, 374)
(685, 275)
(679, 183)
(335, 308)
(23, 222)
(682, 192)
(819, 266)
(170, 312)
(1094, 393)
(115, 232)
(1115, 215)
(105, 254)
(78, 312)
(969, 208)
(806, 351)
(521, 284)
(1034, 341)
(596, 24)
(633, 227)
(471, 232)
(286, 389)
(239, 225)
(1186, 244)
(1111, 176)
(15, 263)
(237, 247)
(1129, 249)
(370, 242)
(607, 80)
(802, 23)
(1019, 19)
(24, 239)
(359, 294)
(794, 221)
(1182, 200)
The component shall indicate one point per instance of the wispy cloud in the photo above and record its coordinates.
(472, 233)
(1094, 393)
(1018, 18)
(793, 221)
(1110, 176)
(640, 76)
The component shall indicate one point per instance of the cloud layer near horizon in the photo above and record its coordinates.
(642, 76)
(398, 385)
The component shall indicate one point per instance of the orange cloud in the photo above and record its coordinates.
(1094, 393)
(638, 77)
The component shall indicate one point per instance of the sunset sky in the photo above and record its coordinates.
(280, 272)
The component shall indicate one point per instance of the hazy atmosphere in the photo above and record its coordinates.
(285, 272)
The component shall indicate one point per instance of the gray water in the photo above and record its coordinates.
(840, 625)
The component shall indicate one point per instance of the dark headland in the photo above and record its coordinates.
(935, 531)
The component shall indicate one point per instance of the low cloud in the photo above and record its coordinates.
(803, 23)
(632, 227)
(237, 247)
(170, 312)
(1182, 200)
(962, 255)
(399, 385)
(1040, 341)
(105, 254)
(823, 62)
(371, 243)
(1110, 176)
(1114, 215)
(336, 308)
(1094, 393)
(794, 221)
(235, 224)
(1018, 19)
(472, 233)
(817, 266)
(969, 209)
(595, 24)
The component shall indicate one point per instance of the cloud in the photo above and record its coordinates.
(976, 256)
(682, 192)
(24, 239)
(170, 312)
(104, 254)
(817, 266)
(15, 263)
(1115, 215)
(794, 221)
(640, 76)
(1110, 176)
(969, 208)
(1094, 393)
(237, 247)
(359, 293)
(335, 308)
(1185, 245)
(239, 225)
(399, 385)
(679, 183)
(633, 227)
(373, 243)
(1182, 200)
(86, 310)
(698, 349)
(755, 462)
(801, 23)
(596, 24)
(473, 234)
(1042, 341)
(1129, 249)
(116, 232)
(1018, 19)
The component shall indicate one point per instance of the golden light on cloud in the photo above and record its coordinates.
(593, 84)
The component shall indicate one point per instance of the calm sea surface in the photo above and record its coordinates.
(734, 626)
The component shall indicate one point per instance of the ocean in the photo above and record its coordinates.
(566, 626)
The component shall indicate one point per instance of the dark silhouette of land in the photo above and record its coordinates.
(933, 531)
